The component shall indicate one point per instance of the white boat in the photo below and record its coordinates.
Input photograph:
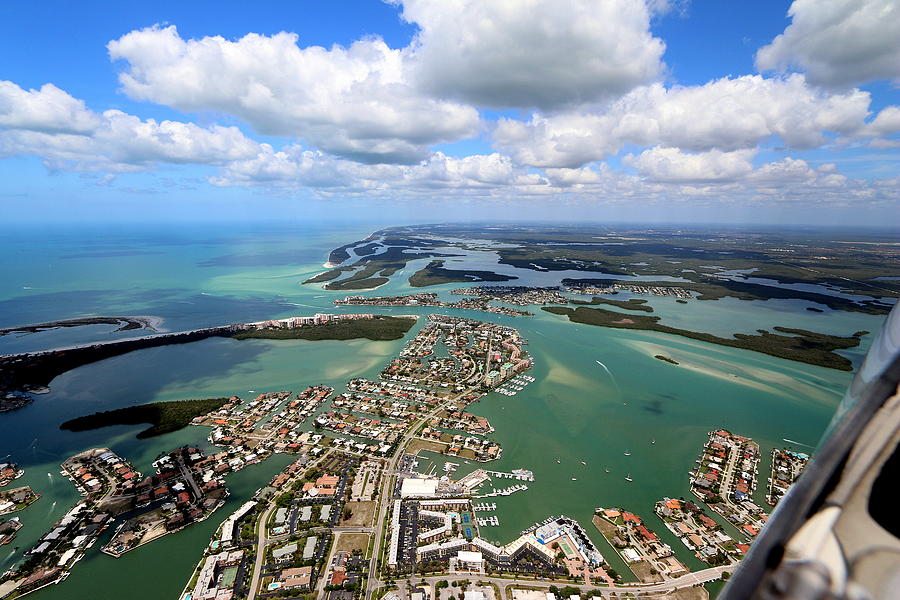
(628, 477)
(574, 479)
(584, 463)
(607, 470)
(652, 441)
(628, 453)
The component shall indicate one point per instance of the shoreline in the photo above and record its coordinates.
(125, 323)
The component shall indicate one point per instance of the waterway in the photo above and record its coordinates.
(576, 410)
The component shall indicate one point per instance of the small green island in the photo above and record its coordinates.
(371, 271)
(379, 328)
(164, 417)
(666, 359)
(632, 304)
(434, 273)
(796, 344)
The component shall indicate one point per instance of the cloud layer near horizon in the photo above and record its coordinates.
(600, 122)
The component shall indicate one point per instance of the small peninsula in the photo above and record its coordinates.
(164, 417)
(632, 304)
(378, 329)
(124, 323)
(435, 274)
(31, 372)
(798, 344)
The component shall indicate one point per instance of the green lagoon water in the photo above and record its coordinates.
(577, 410)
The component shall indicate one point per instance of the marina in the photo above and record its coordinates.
(503, 492)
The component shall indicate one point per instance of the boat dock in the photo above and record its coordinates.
(504, 492)
(520, 474)
(484, 506)
(474, 479)
(488, 522)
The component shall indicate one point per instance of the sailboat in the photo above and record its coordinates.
(628, 477)
(652, 441)
(607, 470)
(628, 453)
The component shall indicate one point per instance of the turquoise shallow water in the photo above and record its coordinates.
(575, 411)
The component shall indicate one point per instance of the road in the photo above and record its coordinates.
(260, 550)
(386, 495)
(644, 589)
(189, 478)
(262, 523)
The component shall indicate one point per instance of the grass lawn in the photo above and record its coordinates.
(416, 445)
(351, 541)
(363, 513)
(642, 570)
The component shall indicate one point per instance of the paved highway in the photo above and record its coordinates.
(645, 590)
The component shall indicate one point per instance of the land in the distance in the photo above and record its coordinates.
(435, 274)
(798, 344)
(165, 417)
(33, 371)
(737, 263)
(124, 323)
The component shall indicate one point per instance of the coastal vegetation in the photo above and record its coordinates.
(367, 249)
(793, 344)
(378, 328)
(435, 274)
(339, 255)
(365, 278)
(742, 290)
(666, 359)
(715, 264)
(632, 304)
(164, 417)
(373, 271)
(124, 323)
(353, 283)
(328, 275)
(33, 372)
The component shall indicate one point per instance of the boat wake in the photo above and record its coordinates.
(796, 442)
(612, 378)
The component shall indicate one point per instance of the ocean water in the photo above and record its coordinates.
(577, 410)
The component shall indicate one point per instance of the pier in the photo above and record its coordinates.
(504, 492)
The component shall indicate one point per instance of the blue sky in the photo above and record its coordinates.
(608, 109)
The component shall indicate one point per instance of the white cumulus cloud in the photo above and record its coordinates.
(355, 102)
(838, 43)
(673, 165)
(48, 109)
(532, 53)
(59, 128)
(726, 114)
(295, 166)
